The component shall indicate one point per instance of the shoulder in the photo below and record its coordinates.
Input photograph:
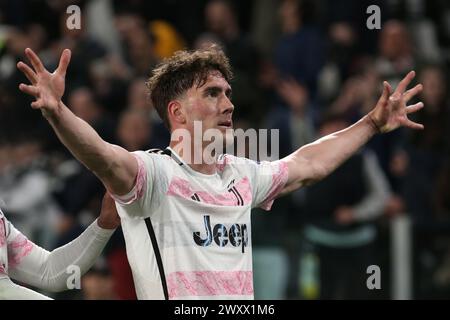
(157, 162)
(152, 155)
(158, 151)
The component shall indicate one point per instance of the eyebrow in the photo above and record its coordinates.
(228, 91)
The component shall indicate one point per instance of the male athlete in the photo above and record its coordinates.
(24, 261)
(187, 223)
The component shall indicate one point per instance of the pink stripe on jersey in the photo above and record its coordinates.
(2, 233)
(279, 179)
(182, 188)
(139, 187)
(2, 270)
(18, 249)
(210, 283)
(245, 190)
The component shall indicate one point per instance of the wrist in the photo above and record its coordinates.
(100, 232)
(53, 113)
(104, 224)
(373, 124)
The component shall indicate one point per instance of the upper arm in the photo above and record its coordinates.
(301, 172)
(119, 178)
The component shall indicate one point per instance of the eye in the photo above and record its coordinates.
(213, 93)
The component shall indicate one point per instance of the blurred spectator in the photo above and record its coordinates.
(265, 26)
(108, 78)
(98, 283)
(133, 131)
(26, 190)
(339, 230)
(137, 43)
(426, 155)
(443, 193)
(359, 93)
(396, 56)
(184, 16)
(222, 22)
(100, 24)
(436, 115)
(84, 105)
(85, 50)
(167, 39)
(97, 286)
(138, 100)
(342, 55)
(300, 50)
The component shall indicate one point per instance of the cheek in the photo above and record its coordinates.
(202, 111)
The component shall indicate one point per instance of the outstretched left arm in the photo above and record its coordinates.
(316, 160)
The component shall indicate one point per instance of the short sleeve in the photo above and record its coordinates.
(269, 179)
(140, 185)
(148, 189)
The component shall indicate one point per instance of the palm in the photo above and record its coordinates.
(51, 88)
(391, 111)
(47, 88)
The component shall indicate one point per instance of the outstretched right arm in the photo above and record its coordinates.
(116, 167)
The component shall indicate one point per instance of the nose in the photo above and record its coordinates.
(228, 106)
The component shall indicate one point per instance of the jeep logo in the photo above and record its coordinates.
(237, 235)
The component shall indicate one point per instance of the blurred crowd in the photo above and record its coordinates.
(307, 68)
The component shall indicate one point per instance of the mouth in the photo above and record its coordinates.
(227, 124)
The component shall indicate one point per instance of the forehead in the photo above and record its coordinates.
(215, 78)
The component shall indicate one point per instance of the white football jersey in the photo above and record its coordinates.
(188, 234)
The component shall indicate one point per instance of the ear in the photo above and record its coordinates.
(176, 112)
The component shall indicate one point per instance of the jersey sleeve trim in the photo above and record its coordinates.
(138, 189)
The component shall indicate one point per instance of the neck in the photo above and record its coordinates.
(195, 158)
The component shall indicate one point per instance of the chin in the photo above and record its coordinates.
(228, 138)
(223, 141)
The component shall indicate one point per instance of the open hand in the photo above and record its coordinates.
(46, 87)
(391, 110)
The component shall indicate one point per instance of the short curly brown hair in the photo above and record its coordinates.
(175, 75)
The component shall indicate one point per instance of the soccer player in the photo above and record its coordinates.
(187, 223)
(24, 261)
